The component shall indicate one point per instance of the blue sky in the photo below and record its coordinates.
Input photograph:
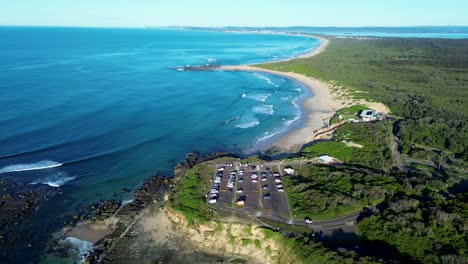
(140, 13)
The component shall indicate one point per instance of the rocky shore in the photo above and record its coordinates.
(19, 202)
(113, 227)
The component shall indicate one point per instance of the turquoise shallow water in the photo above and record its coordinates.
(98, 110)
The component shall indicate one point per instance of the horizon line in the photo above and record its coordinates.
(142, 27)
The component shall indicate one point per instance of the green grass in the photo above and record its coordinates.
(374, 137)
(332, 148)
(188, 197)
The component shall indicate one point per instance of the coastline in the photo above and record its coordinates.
(320, 106)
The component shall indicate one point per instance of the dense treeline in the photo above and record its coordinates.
(430, 230)
(414, 212)
(321, 191)
(326, 192)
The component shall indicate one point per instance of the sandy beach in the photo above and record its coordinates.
(321, 106)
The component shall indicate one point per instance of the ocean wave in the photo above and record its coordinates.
(259, 97)
(268, 136)
(289, 122)
(211, 61)
(128, 201)
(83, 247)
(45, 164)
(264, 109)
(264, 78)
(55, 180)
(250, 124)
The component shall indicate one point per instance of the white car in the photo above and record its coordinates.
(212, 201)
(278, 180)
(308, 221)
(240, 191)
(280, 190)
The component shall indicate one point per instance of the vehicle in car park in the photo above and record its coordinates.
(240, 190)
(265, 187)
(264, 179)
(278, 180)
(308, 220)
(267, 196)
(280, 190)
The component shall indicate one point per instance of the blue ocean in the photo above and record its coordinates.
(93, 111)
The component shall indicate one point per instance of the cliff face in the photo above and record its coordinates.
(232, 240)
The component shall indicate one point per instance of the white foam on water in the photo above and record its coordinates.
(55, 180)
(264, 109)
(45, 164)
(128, 201)
(268, 136)
(249, 124)
(263, 77)
(259, 97)
(83, 247)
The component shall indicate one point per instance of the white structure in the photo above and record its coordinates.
(368, 115)
(325, 159)
(289, 170)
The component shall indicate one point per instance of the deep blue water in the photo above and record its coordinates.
(108, 105)
(98, 110)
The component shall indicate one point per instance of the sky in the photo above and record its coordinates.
(218, 13)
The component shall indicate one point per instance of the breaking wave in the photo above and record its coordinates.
(259, 97)
(83, 247)
(55, 180)
(263, 77)
(250, 124)
(45, 164)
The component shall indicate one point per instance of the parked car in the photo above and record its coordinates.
(241, 180)
(308, 220)
(280, 190)
(267, 196)
(240, 190)
(265, 187)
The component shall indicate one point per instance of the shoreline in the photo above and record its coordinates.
(318, 107)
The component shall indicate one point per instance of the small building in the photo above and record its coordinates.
(368, 115)
(326, 159)
(289, 170)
